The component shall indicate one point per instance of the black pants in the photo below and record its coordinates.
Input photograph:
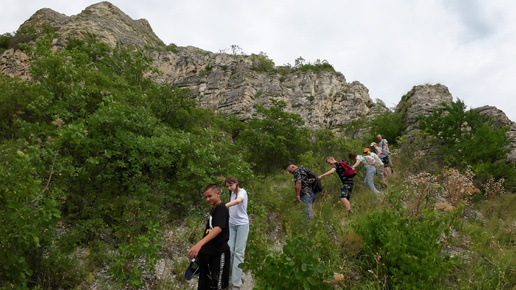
(213, 271)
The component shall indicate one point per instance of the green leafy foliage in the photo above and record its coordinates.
(5, 41)
(96, 144)
(126, 268)
(317, 67)
(261, 62)
(28, 211)
(274, 138)
(404, 248)
(297, 267)
(461, 138)
(388, 124)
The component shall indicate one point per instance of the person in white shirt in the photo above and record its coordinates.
(368, 162)
(238, 228)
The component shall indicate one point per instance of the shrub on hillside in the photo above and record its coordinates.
(94, 145)
(406, 250)
(273, 138)
(296, 267)
(461, 138)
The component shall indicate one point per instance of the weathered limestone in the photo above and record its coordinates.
(422, 101)
(228, 83)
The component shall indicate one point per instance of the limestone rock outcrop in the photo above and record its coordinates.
(103, 21)
(230, 83)
(501, 120)
(227, 83)
(15, 63)
(422, 101)
(222, 82)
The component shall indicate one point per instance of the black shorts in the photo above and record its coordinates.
(346, 188)
(385, 161)
(214, 270)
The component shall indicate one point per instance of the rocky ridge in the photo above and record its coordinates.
(228, 82)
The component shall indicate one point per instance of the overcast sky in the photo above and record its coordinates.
(389, 46)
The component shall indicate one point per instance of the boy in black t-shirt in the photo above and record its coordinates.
(347, 182)
(212, 251)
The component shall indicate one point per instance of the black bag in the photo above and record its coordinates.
(314, 181)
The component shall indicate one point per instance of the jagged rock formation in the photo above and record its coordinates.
(103, 21)
(14, 63)
(422, 101)
(226, 82)
(222, 82)
(500, 120)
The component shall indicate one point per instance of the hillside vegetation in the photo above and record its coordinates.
(102, 172)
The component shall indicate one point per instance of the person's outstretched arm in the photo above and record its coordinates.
(329, 172)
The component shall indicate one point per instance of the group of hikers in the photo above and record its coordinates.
(225, 236)
(377, 162)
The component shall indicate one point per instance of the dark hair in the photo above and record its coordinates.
(352, 156)
(212, 186)
(232, 180)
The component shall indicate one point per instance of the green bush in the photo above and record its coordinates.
(388, 124)
(317, 67)
(261, 62)
(98, 145)
(274, 138)
(404, 250)
(462, 138)
(5, 41)
(28, 211)
(297, 267)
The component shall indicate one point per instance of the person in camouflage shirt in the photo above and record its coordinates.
(304, 188)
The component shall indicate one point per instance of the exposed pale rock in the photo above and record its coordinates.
(422, 101)
(103, 21)
(14, 63)
(501, 120)
(227, 83)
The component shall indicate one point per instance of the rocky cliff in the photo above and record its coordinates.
(223, 82)
(422, 101)
(228, 82)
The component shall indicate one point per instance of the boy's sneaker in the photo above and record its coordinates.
(192, 269)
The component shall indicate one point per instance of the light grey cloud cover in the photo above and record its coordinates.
(389, 46)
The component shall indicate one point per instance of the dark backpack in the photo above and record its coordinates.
(314, 181)
(348, 170)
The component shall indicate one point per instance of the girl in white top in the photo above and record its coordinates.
(238, 228)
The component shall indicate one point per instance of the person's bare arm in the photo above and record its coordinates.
(329, 172)
(298, 190)
(235, 202)
(194, 251)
